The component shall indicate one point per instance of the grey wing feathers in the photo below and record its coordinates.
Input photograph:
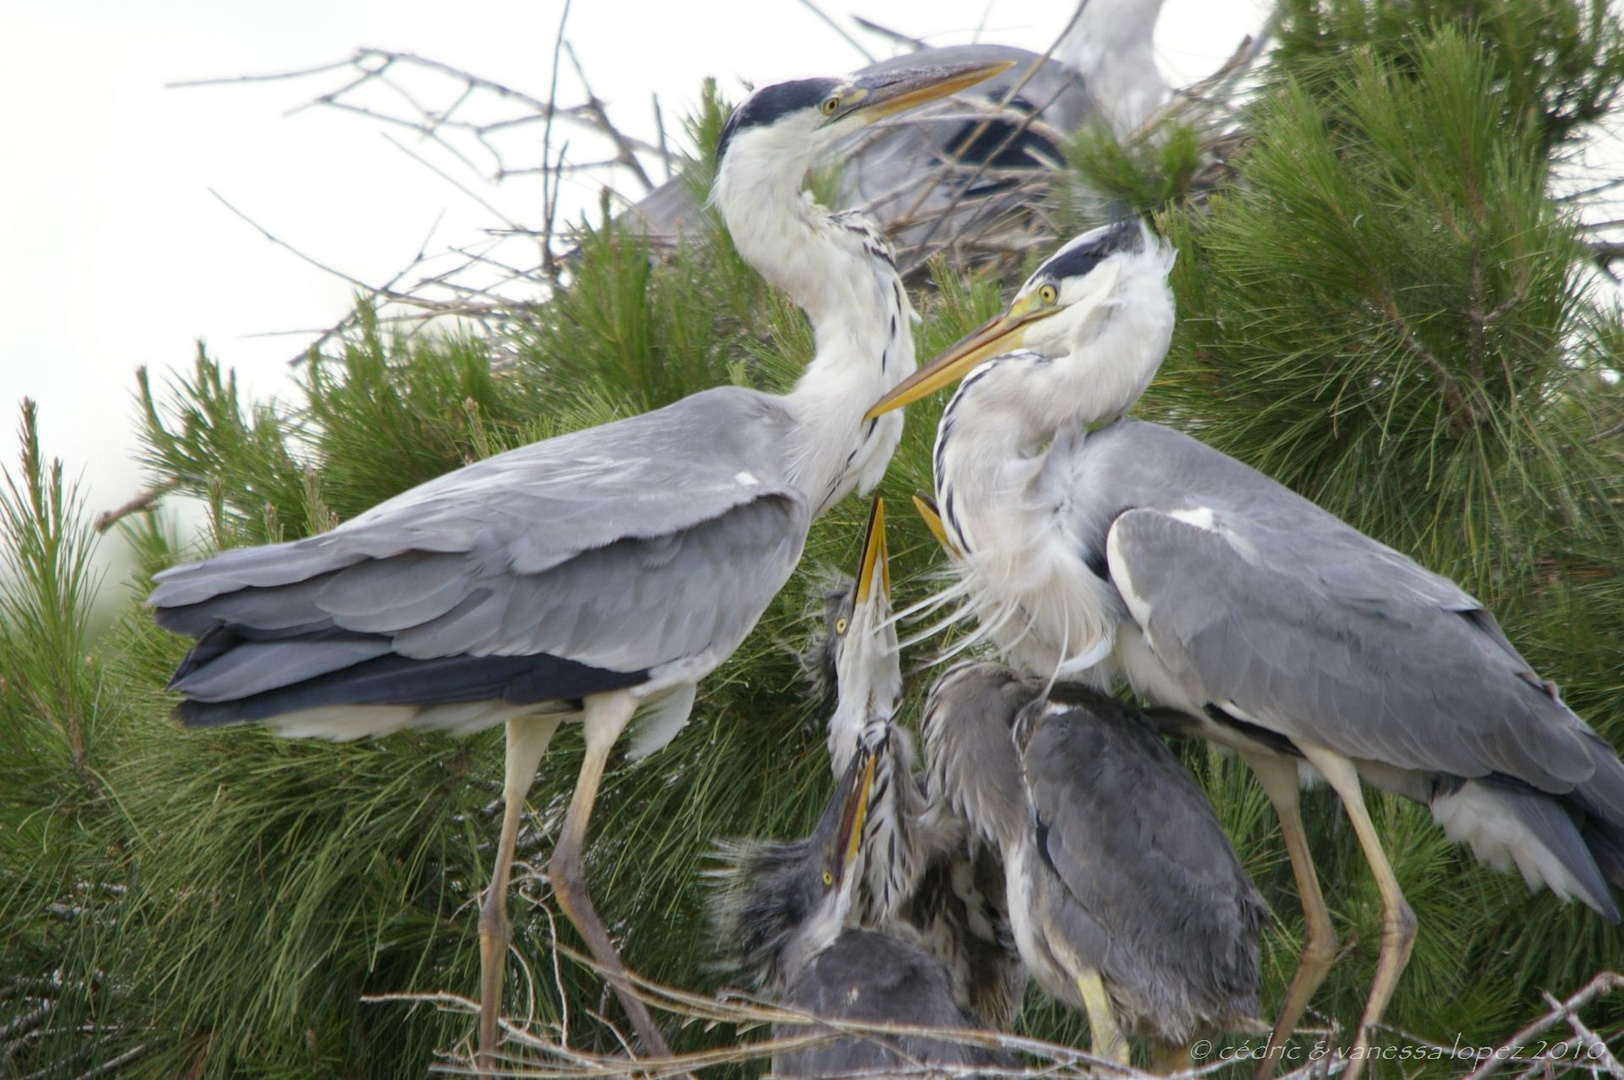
(579, 563)
(1143, 863)
(1312, 629)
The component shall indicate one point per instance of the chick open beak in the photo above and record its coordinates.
(860, 778)
(876, 557)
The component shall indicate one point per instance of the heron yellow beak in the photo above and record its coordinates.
(857, 813)
(933, 521)
(888, 93)
(996, 336)
(875, 554)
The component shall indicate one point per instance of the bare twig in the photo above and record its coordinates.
(144, 501)
(886, 32)
(1600, 986)
(837, 28)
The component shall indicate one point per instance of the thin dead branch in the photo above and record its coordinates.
(144, 501)
(1514, 1048)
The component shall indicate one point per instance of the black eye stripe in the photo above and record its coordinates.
(770, 103)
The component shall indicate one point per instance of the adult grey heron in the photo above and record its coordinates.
(593, 576)
(939, 172)
(1089, 544)
(1127, 899)
(919, 874)
(787, 915)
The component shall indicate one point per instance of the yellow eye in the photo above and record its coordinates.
(828, 877)
(840, 626)
(1048, 294)
(830, 105)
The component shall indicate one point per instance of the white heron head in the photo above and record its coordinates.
(1095, 320)
(790, 123)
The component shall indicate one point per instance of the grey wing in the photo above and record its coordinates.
(555, 570)
(1269, 608)
(1141, 860)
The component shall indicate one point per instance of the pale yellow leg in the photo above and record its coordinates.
(527, 739)
(1108, 1040)
(1278, 775)
(606, 717)
(1398, 921)
(1169, 1058)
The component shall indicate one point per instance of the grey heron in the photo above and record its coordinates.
(1127, 899)
(936, 174)
(1092, 545)
(596, 575)
(788, 916)
(920, 873)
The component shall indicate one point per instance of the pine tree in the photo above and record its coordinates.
(1387, 305)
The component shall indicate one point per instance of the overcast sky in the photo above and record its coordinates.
(115, 254)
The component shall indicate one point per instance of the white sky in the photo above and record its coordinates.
(114, 254)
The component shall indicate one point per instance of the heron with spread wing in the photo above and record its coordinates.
(1093, 546)
(596, 576)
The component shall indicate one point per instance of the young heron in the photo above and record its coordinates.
(1127, 899)
(1089, 544)
(593, 576)
(921, 875)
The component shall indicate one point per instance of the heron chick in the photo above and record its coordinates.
(598, 575)
(922, 875)
(1128, 900)
(1100, 547)
(786, 915)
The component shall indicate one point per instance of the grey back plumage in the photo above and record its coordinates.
(1116, 861)
(552, 571)
(1139, 880)
(1262, 605)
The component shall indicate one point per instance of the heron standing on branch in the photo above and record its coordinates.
(595, 576)
(1089, 545)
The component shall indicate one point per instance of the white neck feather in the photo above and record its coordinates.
(1007, 452)
(838, 271)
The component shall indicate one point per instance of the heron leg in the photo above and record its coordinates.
(1278, 775)
(1108, 1041)
(1398, 921)
(527, 739)
(605, 718)
(1169, 1058)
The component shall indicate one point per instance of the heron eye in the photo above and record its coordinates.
(840, 626)
(1048, 294)
(828, 877)
(830, 105)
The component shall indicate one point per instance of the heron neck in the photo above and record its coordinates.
(838, 270)
(1112, 45)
